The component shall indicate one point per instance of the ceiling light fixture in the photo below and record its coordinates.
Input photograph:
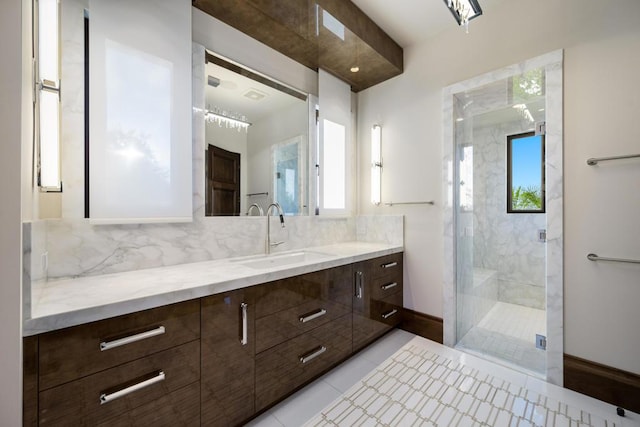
(464, 11)
(355, 69)
(232, 121)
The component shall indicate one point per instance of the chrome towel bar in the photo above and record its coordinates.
(594, 160)
(594, 257)
(430, 202)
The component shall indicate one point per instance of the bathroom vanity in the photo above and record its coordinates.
(231, 339)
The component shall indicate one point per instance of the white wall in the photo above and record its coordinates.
(12, 109)
(601, 41)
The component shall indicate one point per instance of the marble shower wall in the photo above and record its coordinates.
(507, 243)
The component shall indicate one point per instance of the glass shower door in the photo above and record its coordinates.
(500, 253)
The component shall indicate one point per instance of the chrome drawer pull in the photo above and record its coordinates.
(389, 286)
(108, 345)
(314, 353)
(389, 314)
(321, 312)
(106, 398)
(244, 339)
(389, 264)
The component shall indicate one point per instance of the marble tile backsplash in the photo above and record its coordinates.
(77, 248)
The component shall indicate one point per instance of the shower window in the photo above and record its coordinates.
(525, 173)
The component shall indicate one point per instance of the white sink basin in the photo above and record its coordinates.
(279, 260)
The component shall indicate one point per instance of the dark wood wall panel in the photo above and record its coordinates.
(367, 30)
(252, 20)
(292, 28)
(620, 388)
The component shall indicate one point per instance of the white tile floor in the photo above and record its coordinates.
(508, 333)
(405, 380)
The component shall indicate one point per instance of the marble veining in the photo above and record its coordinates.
(505, 242)
(67, 302)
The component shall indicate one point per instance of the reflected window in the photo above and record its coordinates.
(525, 173)
(334, 166)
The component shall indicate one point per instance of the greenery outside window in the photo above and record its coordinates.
(525, 173)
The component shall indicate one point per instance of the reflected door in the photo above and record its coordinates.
(223, 182)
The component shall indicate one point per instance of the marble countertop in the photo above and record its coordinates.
(62, 303)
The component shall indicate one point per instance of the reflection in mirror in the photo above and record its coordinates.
(256, 134)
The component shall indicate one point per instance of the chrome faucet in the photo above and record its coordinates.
(257, 206)
(268, 244)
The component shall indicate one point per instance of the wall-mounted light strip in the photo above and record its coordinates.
(376, 164)
(230, 122)
(48, 94)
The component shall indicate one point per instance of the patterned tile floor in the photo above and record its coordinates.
(405, 380)
(508, 333)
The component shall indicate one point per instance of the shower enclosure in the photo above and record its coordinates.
(502, 230)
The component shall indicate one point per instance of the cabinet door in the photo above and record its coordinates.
(228, 366)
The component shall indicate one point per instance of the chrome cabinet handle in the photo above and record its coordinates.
(106, 398)
(389, 286)
(108, 345)
(359, 278)
(244, 339)
(313, 354)
(319, 313)
(389, 264)
(389, 314)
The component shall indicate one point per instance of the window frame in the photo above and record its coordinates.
(510, 139)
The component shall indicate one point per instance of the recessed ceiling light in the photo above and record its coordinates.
(459, 119)
(355, 69)
(254, 94)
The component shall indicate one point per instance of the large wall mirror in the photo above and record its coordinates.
(256, 142)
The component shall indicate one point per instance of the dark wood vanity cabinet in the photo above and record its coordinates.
(228, 358)
(213, 361)
(138, 369)
(377, 299)
(303, 328)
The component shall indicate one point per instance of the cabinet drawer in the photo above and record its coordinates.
(79, 351)
(387, 310)
(386, 266)
(283, 368)
(180, 408)
(279, 327)
(108, 394)
(382, 287)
